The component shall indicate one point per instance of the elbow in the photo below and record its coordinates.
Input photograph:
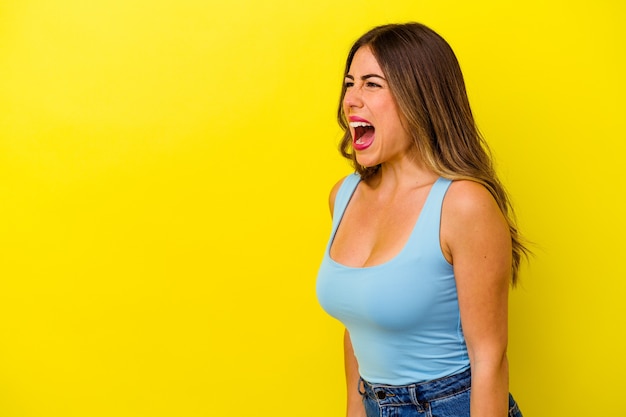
(493, 358)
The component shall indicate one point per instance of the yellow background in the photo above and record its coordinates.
(164, 171)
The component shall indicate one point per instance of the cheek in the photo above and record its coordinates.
(344, 105)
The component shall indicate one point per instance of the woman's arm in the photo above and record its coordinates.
(355, 406)
(476, 240)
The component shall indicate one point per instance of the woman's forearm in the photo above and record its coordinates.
(490, 389)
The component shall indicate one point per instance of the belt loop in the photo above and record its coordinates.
(361, 384)
(421, 406)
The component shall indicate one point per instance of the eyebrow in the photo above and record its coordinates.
(367, 76)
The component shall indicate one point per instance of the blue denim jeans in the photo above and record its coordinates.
(445, 397)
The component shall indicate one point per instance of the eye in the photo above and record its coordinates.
(348, 83)
(371, 84)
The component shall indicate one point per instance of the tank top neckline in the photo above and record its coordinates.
(395, 257)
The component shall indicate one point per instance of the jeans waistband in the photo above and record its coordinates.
(419, 393)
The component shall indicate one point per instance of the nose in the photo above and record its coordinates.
(352, 98)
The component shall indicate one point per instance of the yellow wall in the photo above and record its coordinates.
(164, 169)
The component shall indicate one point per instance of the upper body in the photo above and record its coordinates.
(403, 312)
(372, 232)
(401, 148)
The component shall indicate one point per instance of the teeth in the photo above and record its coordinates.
(360, 124)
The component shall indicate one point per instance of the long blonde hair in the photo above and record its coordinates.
(425, 78)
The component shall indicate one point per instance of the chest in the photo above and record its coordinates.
(374, 230)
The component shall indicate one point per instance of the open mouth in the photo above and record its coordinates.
(363, 135)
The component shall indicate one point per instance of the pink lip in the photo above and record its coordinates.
(369, 137)
(358, 119)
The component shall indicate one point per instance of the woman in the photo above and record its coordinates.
(423, 246)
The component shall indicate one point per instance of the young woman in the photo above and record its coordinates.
(423, 245)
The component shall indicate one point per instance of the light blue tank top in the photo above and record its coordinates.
(402, 315)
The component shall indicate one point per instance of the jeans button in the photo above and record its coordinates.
(381, 395)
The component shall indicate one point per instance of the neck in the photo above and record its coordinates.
(407, 173)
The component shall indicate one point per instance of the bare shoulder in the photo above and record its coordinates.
(469, 198)
(471, 217)
(333, 195)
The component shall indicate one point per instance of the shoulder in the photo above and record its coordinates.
(471, 217)
(352, 179)
(467, 198)
(333, 194)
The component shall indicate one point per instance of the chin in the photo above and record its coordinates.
(367, 162)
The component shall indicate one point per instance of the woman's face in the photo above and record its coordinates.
(378, 133)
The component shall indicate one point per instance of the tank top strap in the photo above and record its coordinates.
(436, 196)
(431, 212)
(344, 194)
(425, 236)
